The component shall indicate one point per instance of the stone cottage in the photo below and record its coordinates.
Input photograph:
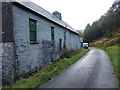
(31, 37)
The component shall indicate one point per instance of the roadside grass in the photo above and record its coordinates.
(48, 72)
(114, 54)
(111, 46)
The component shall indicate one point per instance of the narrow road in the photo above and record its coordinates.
(94, 70)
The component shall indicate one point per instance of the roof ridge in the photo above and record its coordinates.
(38, 9)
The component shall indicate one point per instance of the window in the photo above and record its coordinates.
(32, 27)
(65, 36)
(64, 40)
(60, 44)
(52, 33)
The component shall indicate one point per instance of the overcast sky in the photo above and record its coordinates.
(77, 13)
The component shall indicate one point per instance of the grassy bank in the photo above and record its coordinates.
(114, 55)
(49, 71)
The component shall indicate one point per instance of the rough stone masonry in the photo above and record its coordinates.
(17, 53)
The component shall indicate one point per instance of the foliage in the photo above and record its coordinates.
(111, 42)
(68, 54)
(48, 72)
(92, 32)
(106, 42)
(106, 26)
(80, 33)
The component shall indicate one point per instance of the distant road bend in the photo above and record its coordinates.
(94, 70)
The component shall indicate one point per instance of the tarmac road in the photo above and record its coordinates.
(94, 70)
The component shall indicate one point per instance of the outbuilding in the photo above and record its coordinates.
(31, 37)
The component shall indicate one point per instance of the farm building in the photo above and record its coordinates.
(31, 37)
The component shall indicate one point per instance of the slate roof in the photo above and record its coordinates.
(32, 6)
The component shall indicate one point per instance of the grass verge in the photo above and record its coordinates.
(114, 54)
(48, 72)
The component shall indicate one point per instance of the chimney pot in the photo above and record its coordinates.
(57, 14)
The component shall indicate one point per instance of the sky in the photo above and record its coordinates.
(77, 13)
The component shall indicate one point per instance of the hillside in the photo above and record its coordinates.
(107, 25)
(106, 42)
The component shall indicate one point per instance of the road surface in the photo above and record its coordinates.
(94, 70)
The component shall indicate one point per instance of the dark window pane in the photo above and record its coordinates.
(60, 44)
(64, 40)
(32, 26)
(52, 33)
(32, 36)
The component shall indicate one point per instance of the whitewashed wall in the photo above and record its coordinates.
(33, 56)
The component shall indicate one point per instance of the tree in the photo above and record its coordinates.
(80, 33)
(92, 32)
(107, 25)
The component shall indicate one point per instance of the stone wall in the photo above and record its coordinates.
(7, 22)
(7, 56)
(33, 56)
(50, 52)
(1, 22)
(1, 52)
(0, 44)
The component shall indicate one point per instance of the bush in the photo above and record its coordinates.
(105, 42)
(68, 54)
(111, 42)
(118, 35)
(99, 43)
(65, 55)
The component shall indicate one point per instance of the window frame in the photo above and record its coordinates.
(33, 30)
(64, 44)
(60, 44)
(52, 33)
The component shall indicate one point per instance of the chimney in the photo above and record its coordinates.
(57, 14)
